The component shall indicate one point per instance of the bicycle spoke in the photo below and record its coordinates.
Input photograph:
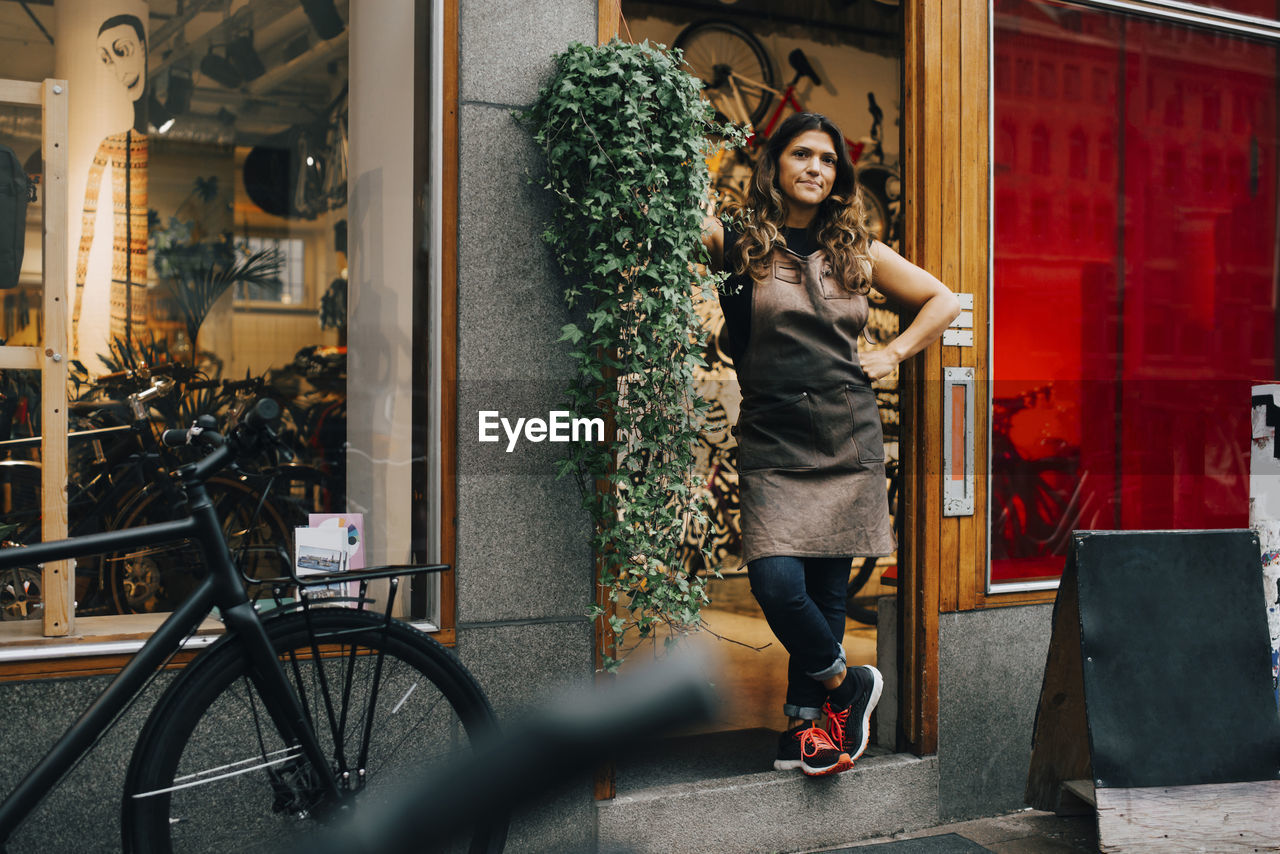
(203, 764)
(234, 769)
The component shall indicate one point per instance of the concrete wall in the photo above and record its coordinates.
(990, 671)
(525, 568)
(82, 815)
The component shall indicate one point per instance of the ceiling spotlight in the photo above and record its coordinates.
(245, 59)
(220, 70)
(159, 117)
(324, 17)
(180, 89)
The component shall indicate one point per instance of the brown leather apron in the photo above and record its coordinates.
(810, 445)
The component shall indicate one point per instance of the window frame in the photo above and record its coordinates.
(984, 593)
(103, 645)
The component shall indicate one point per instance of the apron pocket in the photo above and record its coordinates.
(787, 271)
(868, 434)
(777, 437)
(831, 288)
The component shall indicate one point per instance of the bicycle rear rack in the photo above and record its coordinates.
(317, 581)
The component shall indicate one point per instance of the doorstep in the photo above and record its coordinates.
(694, 795)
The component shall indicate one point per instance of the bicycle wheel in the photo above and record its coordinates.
(386, 705)
(158, 578)
(21, 595)
(733, 66)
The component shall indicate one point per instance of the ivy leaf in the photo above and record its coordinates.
(623, 130)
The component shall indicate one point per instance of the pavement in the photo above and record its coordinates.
(1024, 832)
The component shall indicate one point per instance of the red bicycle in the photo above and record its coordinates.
(738, 79)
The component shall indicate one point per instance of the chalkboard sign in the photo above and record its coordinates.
(1160, 656)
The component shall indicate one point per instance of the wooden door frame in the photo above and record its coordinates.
(946, 190)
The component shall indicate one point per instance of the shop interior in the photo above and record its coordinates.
(209, 138)
(842, 58)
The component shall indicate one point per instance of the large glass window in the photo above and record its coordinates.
(208, 181)
(1134, 275)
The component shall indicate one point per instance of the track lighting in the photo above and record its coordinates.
(158, 117)
(245, 58)
(220, 70)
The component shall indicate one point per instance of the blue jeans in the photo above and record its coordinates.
(803, 600)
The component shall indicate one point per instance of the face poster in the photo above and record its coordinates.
(101, 52)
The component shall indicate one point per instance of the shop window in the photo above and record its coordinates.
(216, 140)
(1122, 366)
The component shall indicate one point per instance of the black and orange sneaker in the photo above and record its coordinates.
(810, 749)
(849, 724)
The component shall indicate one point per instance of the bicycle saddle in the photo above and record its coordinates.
(800, 63)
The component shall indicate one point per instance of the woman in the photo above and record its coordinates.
(810, 447)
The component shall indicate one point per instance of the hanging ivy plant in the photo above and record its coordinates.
(626, 137)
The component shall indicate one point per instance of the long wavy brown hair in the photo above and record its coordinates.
(839, 227)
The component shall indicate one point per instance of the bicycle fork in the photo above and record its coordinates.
(281, 701)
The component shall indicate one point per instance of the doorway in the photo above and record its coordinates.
(845, 61)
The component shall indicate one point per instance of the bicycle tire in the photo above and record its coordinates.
(21, 588)
(211, 717)
(713, 48)
(158, 578)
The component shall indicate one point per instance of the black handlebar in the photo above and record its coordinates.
(254, 434)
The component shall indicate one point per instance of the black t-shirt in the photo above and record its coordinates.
(735, 295)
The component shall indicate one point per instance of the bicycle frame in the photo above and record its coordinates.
(787, 98)
(221, 587)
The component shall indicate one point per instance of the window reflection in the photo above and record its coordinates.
(1124, 348)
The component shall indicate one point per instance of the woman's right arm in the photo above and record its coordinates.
(713, 239)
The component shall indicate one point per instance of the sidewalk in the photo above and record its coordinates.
(1026, 832)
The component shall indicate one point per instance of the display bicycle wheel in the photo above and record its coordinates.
(158, 578)
(211, 773)
(735, 69)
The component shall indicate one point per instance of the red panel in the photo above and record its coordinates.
(1135, 241)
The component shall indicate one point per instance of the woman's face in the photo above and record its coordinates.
(807, 168)
(120, 51)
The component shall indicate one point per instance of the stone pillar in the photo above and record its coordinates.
(524, 562)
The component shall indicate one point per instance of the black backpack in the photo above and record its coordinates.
(13, 216)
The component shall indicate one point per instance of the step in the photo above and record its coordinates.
(697, 794)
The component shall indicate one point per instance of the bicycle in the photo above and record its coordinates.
(738, 79)
(285, 722)
(124, 484)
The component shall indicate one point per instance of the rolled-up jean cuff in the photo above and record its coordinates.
(804, 713)
(834, 669)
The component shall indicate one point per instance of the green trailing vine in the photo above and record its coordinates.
(626, 135)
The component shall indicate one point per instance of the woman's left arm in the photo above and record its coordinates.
(913, 288)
